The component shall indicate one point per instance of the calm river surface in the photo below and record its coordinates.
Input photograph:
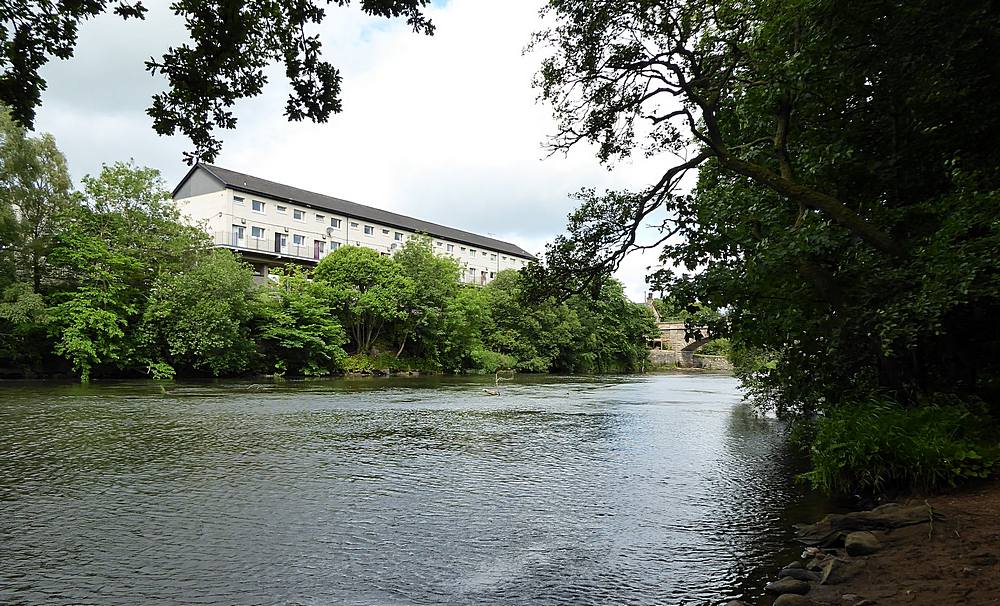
(610, 490)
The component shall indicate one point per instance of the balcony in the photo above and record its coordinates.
(267, 247)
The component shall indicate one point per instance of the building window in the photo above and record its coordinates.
(320, 219)
(299, 215)
(463, 249)
(369, 230)
(492, 275)
(451, 248)
(354, 225)
(335, 223)
(398, 236)
(256, 232)
(493, 257)
(281, 210)
(298, 239)
(334, 246)
(257, 206)
(385, 231)
(484, 253)
(237, 200)
(438, 244)
(472, 251)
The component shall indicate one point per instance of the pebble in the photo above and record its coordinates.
(791, 599)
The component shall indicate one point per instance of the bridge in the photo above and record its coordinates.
(672, 348)
(673, 337)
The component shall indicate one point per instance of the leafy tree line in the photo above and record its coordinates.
(845, 208)
(107, 281)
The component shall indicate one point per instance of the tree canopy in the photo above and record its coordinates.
(847, 191)
(231, 43)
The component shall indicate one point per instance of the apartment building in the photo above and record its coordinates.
(272, 224)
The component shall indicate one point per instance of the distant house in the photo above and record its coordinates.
(272, 224)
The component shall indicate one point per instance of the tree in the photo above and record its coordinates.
(435, 282)
(231, 44)
(297, 329)
(368, 292)
(89, 320)
(845, 183)
(110, 248)
(466, 316)
(201, 319)
(537, 333)
(35, 192)
(138, 214)
(23, 319)
(615, 332)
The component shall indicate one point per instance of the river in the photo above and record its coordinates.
(656, 489)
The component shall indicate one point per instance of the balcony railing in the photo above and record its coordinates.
(267, 246)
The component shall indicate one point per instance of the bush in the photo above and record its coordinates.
(882, 447)
(386, 362)
(717, 347)
(487, 361)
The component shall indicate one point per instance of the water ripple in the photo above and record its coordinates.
(649, 490)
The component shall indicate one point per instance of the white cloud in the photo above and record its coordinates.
(445, 128)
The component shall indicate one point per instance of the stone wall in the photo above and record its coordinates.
(684, 359)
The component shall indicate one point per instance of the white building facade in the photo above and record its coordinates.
(272, 224)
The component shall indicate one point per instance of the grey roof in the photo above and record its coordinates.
(255, 185)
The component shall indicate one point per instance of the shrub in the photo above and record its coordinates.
(490, 361)
(881, 447)
(386, 362)
(717, 347)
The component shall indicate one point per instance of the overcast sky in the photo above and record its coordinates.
(445, 128)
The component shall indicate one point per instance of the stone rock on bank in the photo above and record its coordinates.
(861, 543)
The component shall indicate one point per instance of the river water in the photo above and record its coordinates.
(610, 490)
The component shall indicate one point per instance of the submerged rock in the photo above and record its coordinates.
(861, 543)
(787, 585)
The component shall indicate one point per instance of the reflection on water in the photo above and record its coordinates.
(635, 490)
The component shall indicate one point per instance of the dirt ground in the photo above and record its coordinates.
(953, 561)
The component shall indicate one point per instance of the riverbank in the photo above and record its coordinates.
(939, 550)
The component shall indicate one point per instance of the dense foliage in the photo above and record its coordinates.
(879, 446)
(845, 213)
(108, 281)
(230, 47)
